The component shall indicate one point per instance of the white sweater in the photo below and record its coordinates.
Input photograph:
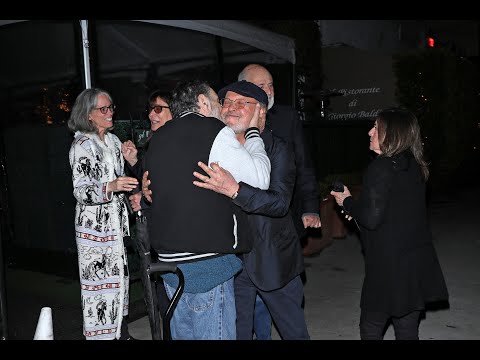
(248, 163)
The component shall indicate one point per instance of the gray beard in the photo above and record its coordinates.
(271, 101)
(238, 129)
(215, 112)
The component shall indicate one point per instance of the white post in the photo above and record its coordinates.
(86, 53)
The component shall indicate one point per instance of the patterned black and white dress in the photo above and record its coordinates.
(101, 222)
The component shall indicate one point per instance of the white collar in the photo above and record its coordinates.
(190, 112)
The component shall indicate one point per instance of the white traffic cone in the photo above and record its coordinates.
(44, 329)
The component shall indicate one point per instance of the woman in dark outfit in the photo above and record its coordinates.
(402, 272)
(158, 111)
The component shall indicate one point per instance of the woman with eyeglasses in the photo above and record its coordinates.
(101, 217)
(159, 113)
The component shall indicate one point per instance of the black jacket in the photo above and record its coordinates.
(402, 271)
(276, 256)
(137, 172)
(285, 123)
(184, 217)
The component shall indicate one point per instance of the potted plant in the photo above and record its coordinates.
(334, 225)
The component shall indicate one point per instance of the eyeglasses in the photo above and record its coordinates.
(157, 108)
(240, 103)
(104, 109)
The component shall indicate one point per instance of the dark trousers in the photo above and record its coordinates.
(124, 334)
(284, 304)
(373, 325)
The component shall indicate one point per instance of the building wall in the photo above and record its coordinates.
(357, 58)
(390, 36)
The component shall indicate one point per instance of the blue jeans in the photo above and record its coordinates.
(205, 316)
(262, 321)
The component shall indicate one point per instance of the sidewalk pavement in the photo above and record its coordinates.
(332, 290)
(335, 275)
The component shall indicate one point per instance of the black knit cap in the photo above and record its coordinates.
(245, 88)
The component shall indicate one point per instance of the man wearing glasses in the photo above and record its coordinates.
(273, 267)
(284, 122)
(197, 229)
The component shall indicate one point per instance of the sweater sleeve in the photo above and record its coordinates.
(248, 163)
(135, 170)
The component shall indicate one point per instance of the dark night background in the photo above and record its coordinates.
(42, 73)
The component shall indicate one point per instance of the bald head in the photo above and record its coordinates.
(261, 77)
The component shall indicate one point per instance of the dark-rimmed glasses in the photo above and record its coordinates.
(104, 109)
(239, 103)
(157, 108)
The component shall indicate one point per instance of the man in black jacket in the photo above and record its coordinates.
(273, 267)
(285, 123)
